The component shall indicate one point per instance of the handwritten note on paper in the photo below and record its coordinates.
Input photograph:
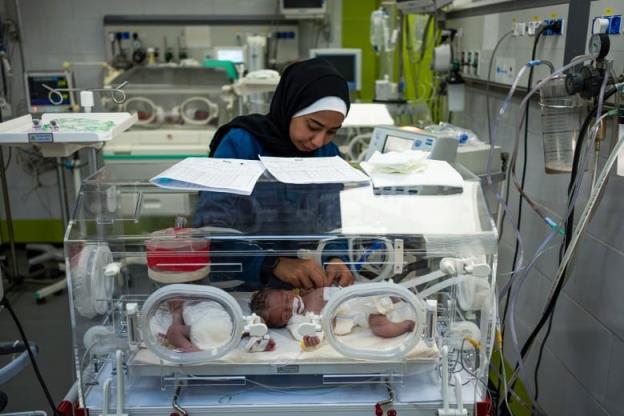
(312, 170)
(207, 174)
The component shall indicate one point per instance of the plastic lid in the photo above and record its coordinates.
(374, 321)
(92, 289)
(213, 318)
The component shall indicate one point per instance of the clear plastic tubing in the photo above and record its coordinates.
(502, 111)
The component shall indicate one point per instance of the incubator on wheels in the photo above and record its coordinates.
(167, 316)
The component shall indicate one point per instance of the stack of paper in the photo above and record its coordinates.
(408, 161)
(208, 174)
(240, 176)
(312, 170)
(428, 173)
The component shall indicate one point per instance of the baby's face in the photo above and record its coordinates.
(280, 308)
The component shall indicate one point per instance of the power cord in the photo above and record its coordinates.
(524, 171)
(550, 309)
(33, 361)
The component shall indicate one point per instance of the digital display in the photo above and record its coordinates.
(345, 65)
(397, 144)
(400, 144)
(234, 55)
(39, 95)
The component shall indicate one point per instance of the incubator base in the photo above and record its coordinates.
(418, 394)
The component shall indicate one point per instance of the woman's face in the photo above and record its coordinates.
(314, 130)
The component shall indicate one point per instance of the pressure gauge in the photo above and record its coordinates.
(599, 45)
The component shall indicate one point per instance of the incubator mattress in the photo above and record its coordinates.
(289, 351)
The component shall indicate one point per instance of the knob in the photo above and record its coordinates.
(574, 83)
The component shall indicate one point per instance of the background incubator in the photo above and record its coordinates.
(443, 271)
(178, 109)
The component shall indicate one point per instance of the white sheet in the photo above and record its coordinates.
(288, 350)
(307, 170)
(363, 212)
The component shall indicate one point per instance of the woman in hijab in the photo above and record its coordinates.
(309, 105)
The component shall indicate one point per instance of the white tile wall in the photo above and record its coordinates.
(582, 367)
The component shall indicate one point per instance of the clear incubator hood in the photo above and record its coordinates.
(162, 286)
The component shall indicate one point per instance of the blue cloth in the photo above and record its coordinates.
(240, 144)
(272, 209)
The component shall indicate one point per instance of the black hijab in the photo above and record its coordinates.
(301, 84)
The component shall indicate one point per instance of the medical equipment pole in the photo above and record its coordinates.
(8, 217)
(60, 176)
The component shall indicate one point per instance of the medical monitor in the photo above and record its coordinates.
(235, 54)
(298, 9)
(395, 139)
(347, 61)
(38, 95)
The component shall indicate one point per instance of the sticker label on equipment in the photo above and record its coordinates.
(40, 138)
(288, 369)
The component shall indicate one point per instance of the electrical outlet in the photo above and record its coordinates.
(554, 27)
(476, 63)
(468, 63)
(615, 23)
(519, 29)
(611, 25)
(600, 25)
(532, 27)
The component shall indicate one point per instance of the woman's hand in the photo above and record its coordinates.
(338, 272)
(301, 273)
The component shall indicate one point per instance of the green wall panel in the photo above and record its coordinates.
(355, 34)
(35, 231)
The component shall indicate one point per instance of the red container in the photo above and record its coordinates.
(174, 256)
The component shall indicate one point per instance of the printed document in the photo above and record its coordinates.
(207, 174)
(306, 170)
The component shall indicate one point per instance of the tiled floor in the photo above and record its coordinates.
(47, 325)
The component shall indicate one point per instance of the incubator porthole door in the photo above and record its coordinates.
(208, 317)
(374, 321)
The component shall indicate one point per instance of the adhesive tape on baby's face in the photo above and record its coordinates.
(297, 306)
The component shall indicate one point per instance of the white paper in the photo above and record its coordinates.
(368, 115)
(312, 170)
(435, 173)
(207, 174)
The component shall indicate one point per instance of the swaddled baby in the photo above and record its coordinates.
(192, 326)
(385, 316)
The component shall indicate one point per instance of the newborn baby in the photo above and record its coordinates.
(386, 317)
(192, 326)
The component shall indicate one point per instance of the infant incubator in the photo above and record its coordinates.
(134, 276)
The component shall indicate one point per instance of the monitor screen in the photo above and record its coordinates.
(302, 4)
(397, 144)
(233, 54)
(346, 61)
(38, 95)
